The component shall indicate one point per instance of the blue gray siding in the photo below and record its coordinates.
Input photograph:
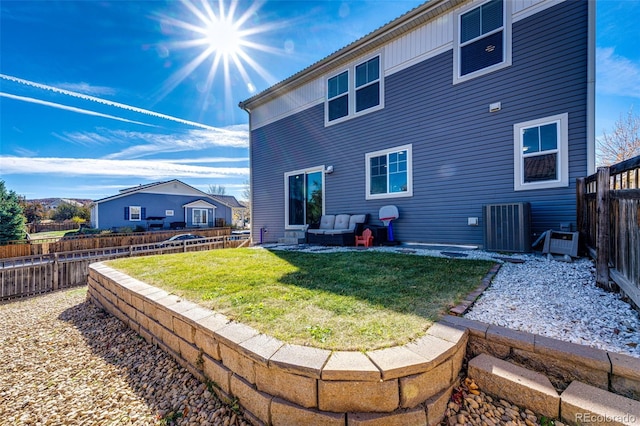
(462, 154)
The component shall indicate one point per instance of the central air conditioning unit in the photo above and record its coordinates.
(507, 227)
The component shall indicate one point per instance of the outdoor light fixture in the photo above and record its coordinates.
(328, 170)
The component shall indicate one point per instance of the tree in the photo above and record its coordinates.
(32, 210)
(11, 216)
(622, 143)
(217, 190)
(66, 211)
(246, 200)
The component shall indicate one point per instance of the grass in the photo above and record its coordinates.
(48, 235)
(340, 301)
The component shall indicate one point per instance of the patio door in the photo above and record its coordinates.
(304, 197)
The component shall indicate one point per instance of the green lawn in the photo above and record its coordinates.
(358, 300)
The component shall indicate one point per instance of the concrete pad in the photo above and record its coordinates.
(584, 404)
(516, 384)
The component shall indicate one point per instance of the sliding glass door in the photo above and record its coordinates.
(304, 197)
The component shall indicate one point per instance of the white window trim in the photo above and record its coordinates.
(168, 212)
(131, 219)
(563, 154)
(193, 216)
(507, 11)
(352, 91)
(286, 193)
(408, 192)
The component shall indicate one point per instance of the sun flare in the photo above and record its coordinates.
(220, 39)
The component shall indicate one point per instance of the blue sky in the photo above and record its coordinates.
(96, 96)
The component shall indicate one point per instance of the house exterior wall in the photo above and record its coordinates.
(463, 155)
(111, 213)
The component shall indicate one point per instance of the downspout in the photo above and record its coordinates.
(591, 88)
(243, 106)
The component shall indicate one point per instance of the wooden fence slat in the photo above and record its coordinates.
(608, 213)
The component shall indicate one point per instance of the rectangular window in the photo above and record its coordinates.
(200, 217)
(168, 212)
(338, 96)
(541, 153)
(368, 84)
(135, 213)
(304, 197)
(389, 173)
(358, 90)
(483, 40)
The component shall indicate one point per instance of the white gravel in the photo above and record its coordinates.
(552, 298)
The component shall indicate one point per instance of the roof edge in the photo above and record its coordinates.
(389, 31)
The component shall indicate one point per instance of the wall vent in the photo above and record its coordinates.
(507, 227)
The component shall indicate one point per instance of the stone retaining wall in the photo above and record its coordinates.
(562, 362)
(278, 383)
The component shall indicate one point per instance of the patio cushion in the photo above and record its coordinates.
(316, 231)
(342, 221)
(327, 221)
(355, 219)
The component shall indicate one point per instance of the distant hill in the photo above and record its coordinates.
(52, 203)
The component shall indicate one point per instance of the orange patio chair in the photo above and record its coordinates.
(366, 239)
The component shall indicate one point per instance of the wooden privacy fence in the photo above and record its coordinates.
(608, 213)
(30, 275)
(86, 242)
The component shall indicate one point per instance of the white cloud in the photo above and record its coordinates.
(87, 88)
(141, 144)
(148, 169)
(102, 102)
(615, 74)
(69, 108)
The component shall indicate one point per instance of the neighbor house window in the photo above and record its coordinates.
(541, 153)
(304, 197)
(357, 90)
(482, 39)
(135, 213)
(168, 212)
(389, 173)
(200, 216)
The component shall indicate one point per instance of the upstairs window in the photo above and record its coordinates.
(483, 40)
(541, 153)
(368, 84)
(357, 90)
(338, 96)
(389, 173)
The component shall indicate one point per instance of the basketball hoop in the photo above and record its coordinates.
(388, 214)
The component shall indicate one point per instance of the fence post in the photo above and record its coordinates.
(55, 271)
(602, 234)
(581, 206)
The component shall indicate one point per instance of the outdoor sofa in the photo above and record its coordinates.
(337, 230)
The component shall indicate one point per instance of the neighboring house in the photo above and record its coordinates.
(238, 210)
(454, 105)
(160, 205)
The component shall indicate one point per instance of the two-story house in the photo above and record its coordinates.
(455, 105)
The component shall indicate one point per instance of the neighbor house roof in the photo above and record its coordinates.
(143, 188)
(228, 200)
(405, 23)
